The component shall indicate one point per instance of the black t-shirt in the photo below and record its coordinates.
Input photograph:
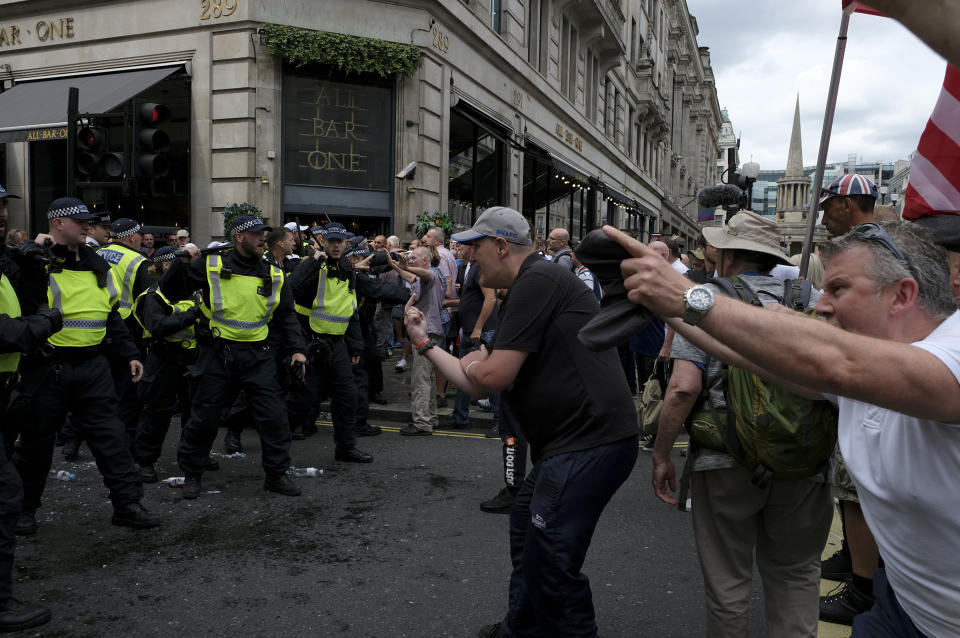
(471, 303)
(565, 398)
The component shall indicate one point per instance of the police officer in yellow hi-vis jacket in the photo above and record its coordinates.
(71, 373)
(130, 269)
(324, 287)
(244, 298)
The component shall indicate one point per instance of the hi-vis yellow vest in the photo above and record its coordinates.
(10, 306)
(332, 307)
(123, 261)
(84, 304)
(186, 337)
(238, 311)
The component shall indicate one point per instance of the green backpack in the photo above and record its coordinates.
(776, 433)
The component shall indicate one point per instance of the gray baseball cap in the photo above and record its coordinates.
(498, 221)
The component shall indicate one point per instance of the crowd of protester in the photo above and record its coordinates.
(493, 316)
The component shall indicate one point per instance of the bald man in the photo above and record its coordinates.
(558, 244)
(661, 249)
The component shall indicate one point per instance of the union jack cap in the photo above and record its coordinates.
(850, 184)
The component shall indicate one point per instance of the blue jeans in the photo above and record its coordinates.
(551, 524)
(461, 405)
(886, 619)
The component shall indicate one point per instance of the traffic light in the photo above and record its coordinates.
(93, 161)
(150, 143)
(90, 143)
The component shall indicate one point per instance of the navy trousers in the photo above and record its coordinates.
(886, 619)
(554, 515)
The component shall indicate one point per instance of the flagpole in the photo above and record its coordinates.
(824, 141)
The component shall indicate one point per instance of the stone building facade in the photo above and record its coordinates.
(576, 112)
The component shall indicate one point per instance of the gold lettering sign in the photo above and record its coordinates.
(47, 30)
(217, 8)
(440, 41)
(44, 134)
(569, 137)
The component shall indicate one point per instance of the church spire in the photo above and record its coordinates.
(795, 155)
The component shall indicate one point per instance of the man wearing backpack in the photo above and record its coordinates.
(739, 511)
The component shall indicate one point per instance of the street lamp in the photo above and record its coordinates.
(750, 171)
(883, 194)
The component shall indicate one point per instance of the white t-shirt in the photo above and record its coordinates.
(784, 272)
(906, 471)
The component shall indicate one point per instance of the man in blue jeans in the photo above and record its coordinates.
(572, 405)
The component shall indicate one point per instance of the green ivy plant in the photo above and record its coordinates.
(426, 221)
(348, 53)
(232, 211)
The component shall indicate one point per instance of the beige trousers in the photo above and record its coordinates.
(785, 525)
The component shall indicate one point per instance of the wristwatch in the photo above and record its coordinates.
(422, 350)
(699, 300)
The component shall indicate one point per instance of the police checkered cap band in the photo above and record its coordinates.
(167, 253)
(68, 211)
(358, 252)
(247, 224)
(126, 233)
(333, 230)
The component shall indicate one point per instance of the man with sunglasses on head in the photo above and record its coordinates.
(847, 202)
(889, 356)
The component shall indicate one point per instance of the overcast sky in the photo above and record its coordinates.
(765, 52)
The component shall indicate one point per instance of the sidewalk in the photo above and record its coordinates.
(396, 390)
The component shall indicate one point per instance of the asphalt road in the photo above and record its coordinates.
(396, 548)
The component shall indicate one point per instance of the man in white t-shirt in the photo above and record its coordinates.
(889, 352)
(673, 255)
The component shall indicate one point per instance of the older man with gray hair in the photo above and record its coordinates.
(889, 356)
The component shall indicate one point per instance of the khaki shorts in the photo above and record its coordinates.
(843, 487)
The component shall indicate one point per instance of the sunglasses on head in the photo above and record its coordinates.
(872, 231)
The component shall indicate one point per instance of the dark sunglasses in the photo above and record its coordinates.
(872, 231)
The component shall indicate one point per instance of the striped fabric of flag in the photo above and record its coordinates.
(706, 214)
(935, 168)
(858, 7)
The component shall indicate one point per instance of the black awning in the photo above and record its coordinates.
(37, 110)
(641, 209)
(619, 198)
(569, 172)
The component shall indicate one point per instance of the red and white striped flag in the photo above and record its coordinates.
(934, 187)
(853, 6)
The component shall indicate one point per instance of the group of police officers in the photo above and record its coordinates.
(93, 346)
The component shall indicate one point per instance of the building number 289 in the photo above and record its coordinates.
(217, 8)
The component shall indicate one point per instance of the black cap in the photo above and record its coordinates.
(944, 229)
(334, 230)
(248, 224)
(124, 227)
(167, 253)
(4, 194)
(69, 207)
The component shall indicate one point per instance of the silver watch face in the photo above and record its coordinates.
(699, 298)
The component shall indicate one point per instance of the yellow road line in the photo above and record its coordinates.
(450, 433)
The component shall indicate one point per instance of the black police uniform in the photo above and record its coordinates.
(17, 334)
(329, 369)
(224, 367)
(129, 406)
(76, 379)
(368, 373)
(171, 349)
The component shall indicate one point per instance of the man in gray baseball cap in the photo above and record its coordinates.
(572, 405)
(498, 221)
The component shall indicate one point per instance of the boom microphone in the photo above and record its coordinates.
(720, 195)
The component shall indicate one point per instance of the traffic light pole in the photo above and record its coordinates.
(73, 105)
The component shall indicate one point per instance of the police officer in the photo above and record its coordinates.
(171, 342)
(17, 334)
(326, 300)
(131, 269)
(245, 299)
(367, 373)
(71, 373)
